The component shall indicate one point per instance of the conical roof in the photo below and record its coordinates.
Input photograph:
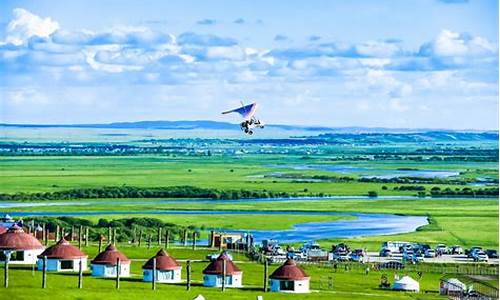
(16, 239)
(289, 271)
(109, 256)
(216, 267)
(163, 262)
(63, 249)
(2, 229)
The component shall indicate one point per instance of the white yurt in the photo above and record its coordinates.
(213, 273)
(289, 278)
(168, 270)
(23, 247)
(104, 264)
(406, 283)
(63, 257)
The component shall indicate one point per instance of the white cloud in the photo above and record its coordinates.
(449, 44)
(26, 25)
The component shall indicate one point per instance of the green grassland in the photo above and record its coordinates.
(36, 174)
(463, 221)
(352, 284)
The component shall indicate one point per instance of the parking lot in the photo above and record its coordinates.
(446, 258)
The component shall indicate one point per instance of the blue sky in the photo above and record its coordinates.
(422, 63)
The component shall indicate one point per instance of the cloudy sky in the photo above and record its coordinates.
(421, 63)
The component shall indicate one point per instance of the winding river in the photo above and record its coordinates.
(362, 225)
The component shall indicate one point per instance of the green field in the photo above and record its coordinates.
(465, 221)
(353, 283)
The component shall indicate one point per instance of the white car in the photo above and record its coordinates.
(442, 249)
(479, 255)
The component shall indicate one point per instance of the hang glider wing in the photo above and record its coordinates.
(246, 111)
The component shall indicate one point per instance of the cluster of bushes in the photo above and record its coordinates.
(409, 188)
(140, 192)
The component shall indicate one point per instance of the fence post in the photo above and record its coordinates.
(80, 229)
(118, 268)
(114, 236)
(72, 232)
(6, 269)
(194, 240)
(46, 241)
(266, 266)
(109, 235)
(167, 238)
(86, 236)
(80, 275)
(100, 242)
(44, 274)
(185, 237)
(159, 236)
(56, 236)
(224, 270)
(188, 271)
(154, 275)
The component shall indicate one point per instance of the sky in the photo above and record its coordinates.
(339, 63)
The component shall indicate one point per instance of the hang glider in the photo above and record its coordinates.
(247, 112)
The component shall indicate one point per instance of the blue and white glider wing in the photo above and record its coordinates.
(246, 111)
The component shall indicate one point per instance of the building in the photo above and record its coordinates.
(23, 247)
(406, 283)
(223, 239)
(213, 273)
(3, 229)
(104, 264)
(168, 270)
(63, 257)
(289, 278)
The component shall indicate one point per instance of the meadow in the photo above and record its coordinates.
(352, 283)
(229, 165)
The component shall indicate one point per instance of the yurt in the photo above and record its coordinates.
(167, 268)
(23, 247)
(212, 275)
(289, 278)
(63, 257)
(3, 229)
(406, 283)
(104, 264)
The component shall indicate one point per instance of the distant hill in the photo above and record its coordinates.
(214, 125)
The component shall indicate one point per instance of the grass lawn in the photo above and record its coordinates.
(351, 284)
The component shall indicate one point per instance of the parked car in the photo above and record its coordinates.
(479, 255)
(429, 253)
(491, 253)
(385, 252)
(455, 249)
(341, 257)
(358, 255)
(470, 252)
(441, 249)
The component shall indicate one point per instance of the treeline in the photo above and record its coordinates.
(127, 229)
(437, 191)
(141, 192)
(421, 180)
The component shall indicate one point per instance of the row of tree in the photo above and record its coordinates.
(143, 192)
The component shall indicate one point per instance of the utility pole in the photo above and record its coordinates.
(6, 269)
(154, 275)
(118, 268)
(224, 265)
(80, 275)
(265, 274)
